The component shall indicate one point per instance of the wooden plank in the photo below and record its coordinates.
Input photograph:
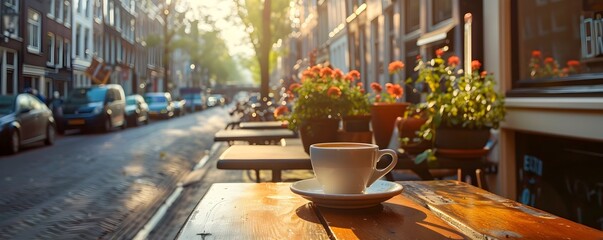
(264, 157)
(252, 211)
(397, 218)
(263, 125)
(480, 214)
(253, 135)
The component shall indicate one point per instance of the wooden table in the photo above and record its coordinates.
(263, 125)
(272, 211)
(424, 210)
(254, 135)
(257, 157)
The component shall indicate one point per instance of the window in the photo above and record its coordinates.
(558, 49)
(60, 52)
(441, 11)
(67, 13)
(34, 22)
(52, 13)
(412, 15)
(67, 54)
(111, 13)
(58, 10)
(13, 5)
(78, 37)
(50, 50)
(85, 7)
(77, 6)
(86, 46)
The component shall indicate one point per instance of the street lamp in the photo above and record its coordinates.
(9, 19)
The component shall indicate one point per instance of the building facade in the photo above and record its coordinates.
(82, 44)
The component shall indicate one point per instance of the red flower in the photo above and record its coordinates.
(360, 84)
(483, 74)
(290, 95)
(453, 61)
(326, 72)
(337, 74)
(294, 86)
(418, 57)
(280, 110)
(362, 90)
(549, 60)
(395, 66)
(355, 74)
(376, 87)
(475, 65)
(439, 52)
(536, 54)
(395, 90)
(334, 91)
(308, 74)
(388, 86)
(573, 63)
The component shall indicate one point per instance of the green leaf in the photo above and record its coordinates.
(423, 156)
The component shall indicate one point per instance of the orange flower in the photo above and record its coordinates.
(290, 95)
(395, 90)
(573, 63)
(294, 86)
(395, 66)
(549, 60)
(483, 74)
(281, 110)
(308, 74)
(355, 74)
(337, 74)
(388, 86)
(439, 52)
(475, 65)
(326, 72)
(360, 84)
(418, 57)
(362, 90)
(334, 91)
(536, 54)
(376, 87)
(348, 78)
(315, 69)
(453, 61)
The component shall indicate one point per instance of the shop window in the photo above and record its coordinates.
(557, 48)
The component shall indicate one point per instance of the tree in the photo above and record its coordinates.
(265, 22)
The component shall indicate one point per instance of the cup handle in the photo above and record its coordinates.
(378, 173)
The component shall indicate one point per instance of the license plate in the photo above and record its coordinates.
(76, 122)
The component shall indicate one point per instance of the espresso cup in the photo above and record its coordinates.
(348, 168)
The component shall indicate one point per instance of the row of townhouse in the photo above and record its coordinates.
(49, 44)
(550, 147)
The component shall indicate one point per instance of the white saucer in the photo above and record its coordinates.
(377, 193)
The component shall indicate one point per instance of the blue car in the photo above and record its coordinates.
(99, 107)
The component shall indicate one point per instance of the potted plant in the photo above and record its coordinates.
(358, 115)
(460, 107)
(387, 107)
(321, 102)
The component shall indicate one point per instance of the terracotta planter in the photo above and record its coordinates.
(383, 120)
(357, 123)
(461, 138)
(408, 128)
(318, 131)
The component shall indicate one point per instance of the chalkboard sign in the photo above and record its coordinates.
(562, 176)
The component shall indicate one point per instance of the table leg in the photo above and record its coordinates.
(276, 175)
(257, 176)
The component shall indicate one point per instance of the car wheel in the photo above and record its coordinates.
(14, 142)
(107, 124)
(50, 135)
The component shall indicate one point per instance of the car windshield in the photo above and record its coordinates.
(155, 99)
(6, 104)
(130, 101)
(87, 95)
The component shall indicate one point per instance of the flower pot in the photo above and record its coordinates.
(455, 137)
(318, 131)
(383, 118)
(356, 123)
(408, 128)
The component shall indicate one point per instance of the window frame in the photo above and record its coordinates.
(34, 44)
(50, 61)
(60, 49)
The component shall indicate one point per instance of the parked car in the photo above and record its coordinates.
(92, 108)
(160, 104)
(179, 107)
(196, 101)
(137, 110)
(24, 119)
(215, 100)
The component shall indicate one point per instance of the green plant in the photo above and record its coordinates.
(456, 99)
(326, 93)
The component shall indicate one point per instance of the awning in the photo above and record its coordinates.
(436, 35)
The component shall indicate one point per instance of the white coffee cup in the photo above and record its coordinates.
(348, 168)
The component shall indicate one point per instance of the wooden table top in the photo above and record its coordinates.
(272, 211)
(264, 157)
(263, 125)
(480, 214)
(253, 134)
